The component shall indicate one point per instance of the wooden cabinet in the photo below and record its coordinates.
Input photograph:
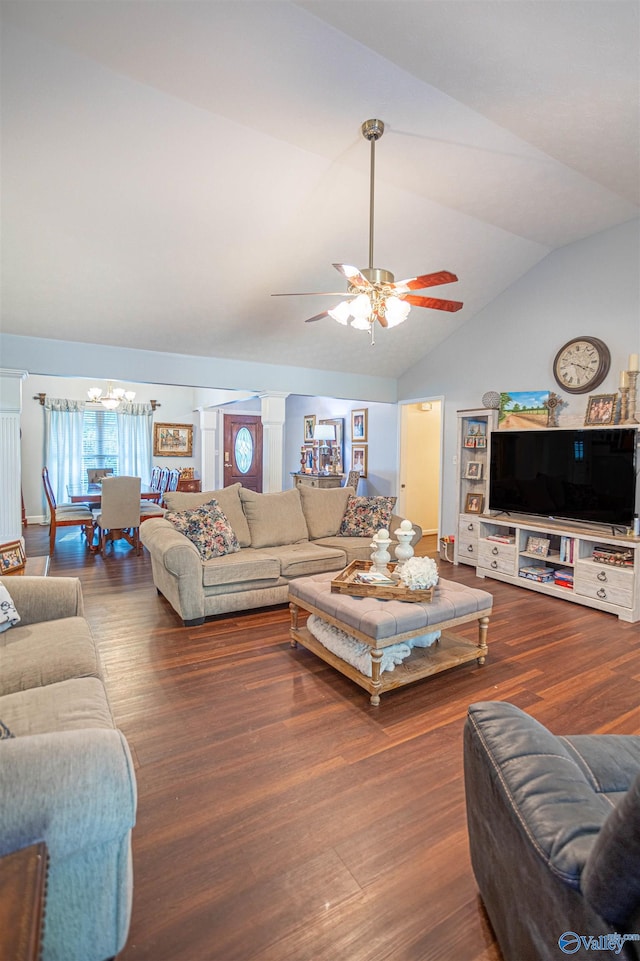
(474, 443)
(190, 485)
(584, 566)
(23, 879)
(318, 480)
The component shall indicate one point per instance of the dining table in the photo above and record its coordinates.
(92, 493)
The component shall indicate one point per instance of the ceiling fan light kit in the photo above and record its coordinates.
(372, 293)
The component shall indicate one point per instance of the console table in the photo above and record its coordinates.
(318, 480)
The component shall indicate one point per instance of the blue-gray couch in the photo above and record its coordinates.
(554, 833)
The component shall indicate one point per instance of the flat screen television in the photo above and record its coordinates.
(581, 475)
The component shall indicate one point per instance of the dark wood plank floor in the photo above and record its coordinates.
(280, 817)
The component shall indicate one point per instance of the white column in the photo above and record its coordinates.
(273, 418)
(208, 450)
(10, 460)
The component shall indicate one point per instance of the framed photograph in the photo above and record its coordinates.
(12, 557)
(337, 446)
(359, 460)
(359, 425)
(474, 470)
(476, 428)
(474, 503)
(470, 440)
(538, 546)
(173, 440)
(601, 409)
(481, 441)
(308, 425)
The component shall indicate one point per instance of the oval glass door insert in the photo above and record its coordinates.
(244, 450)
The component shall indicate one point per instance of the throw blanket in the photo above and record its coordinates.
(358, 654)
(8, 614)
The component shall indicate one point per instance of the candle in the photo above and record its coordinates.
(624, 378)
(633, 361)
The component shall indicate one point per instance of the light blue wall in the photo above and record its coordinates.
(590, 287)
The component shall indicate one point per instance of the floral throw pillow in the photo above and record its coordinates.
(364, 516)
(208, 528)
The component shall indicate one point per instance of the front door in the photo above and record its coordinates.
(243, 451)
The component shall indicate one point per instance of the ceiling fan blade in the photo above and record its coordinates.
(434, 302)
(426, 280)
(310, 320)
(353, 275)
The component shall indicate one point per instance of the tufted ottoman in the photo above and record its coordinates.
(381, 623)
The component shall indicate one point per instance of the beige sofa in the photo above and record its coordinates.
(282, 536)
(66, 774)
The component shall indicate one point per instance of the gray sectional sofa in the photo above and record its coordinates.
(66, 774)
(282, 536)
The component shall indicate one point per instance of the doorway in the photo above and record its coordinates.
(242, 435)
(420, 469)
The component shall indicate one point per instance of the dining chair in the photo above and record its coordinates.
(65, 515)
(353, 479)
(95, 474)
(174, 479)
(118, 517)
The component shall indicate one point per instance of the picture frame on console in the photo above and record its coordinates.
(474, 470)
(601, 410)
(173, 440)
(12, 557)
(474, 503)
(538, 545)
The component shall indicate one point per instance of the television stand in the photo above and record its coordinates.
(589, 567)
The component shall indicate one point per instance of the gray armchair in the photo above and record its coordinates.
(119, 514)
(554, 833)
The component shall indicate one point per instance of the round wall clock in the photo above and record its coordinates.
(581, 364)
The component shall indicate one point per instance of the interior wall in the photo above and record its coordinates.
(590, 287)
(382, 441)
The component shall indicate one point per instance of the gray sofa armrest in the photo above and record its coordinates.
(45, 598)
(177, 567)
(72, 789)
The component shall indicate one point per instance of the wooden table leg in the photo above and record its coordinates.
(293, 610)
(376, 660)
(483, 627)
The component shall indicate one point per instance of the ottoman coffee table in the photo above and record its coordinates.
(381, 623)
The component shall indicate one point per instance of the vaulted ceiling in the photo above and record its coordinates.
(168, 165)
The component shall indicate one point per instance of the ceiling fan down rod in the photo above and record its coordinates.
(372, 130)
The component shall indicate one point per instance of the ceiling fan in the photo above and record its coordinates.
(372, 292)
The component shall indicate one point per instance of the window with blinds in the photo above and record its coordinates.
(99, 440)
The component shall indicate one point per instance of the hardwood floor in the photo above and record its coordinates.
(280, 816)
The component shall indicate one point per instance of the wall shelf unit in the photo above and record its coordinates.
(474, 440)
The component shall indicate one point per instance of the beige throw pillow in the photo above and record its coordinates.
(324, 509)
(274, 519)
(229, 500)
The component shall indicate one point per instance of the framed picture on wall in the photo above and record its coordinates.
(359, 460)
(173, 440)
(308, 425)
(359, 425)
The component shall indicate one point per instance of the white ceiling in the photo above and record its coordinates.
(168, 165)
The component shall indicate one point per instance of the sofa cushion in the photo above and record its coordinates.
(46, 653)
(229, 500)
(324, 509)
(300, 560)
(274, 519)
(366, 515)
(208, 528)
(66, 706)
(249, 565)
(610, 880)
(353, 548)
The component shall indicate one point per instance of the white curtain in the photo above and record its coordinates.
(135, 436)
(63, 444)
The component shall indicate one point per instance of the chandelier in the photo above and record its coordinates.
(113, 397)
